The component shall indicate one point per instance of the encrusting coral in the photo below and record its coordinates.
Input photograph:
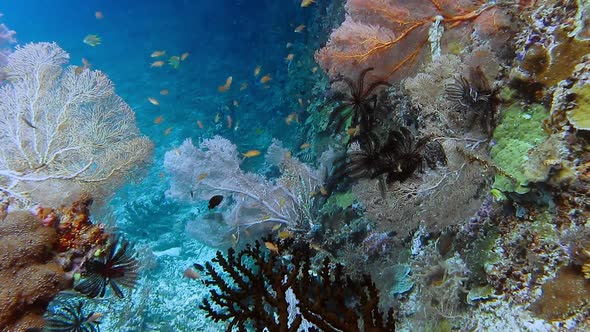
(265, 289)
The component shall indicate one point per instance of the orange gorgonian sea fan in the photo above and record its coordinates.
(390, 35)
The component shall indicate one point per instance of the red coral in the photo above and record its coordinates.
(76, 231)
(389, 35)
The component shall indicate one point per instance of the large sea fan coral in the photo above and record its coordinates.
(62, 131)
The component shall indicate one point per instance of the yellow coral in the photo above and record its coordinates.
(579, 117)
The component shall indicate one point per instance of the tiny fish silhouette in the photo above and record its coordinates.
(214, 201)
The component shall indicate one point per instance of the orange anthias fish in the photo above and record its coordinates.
(167, 131)
(257, 70)
(251, 153)
(158, 120)
(244, 86)
(306, 3)
(98, 15)
(229, 122)
(164, 92)
(226, 86)
(184, 56)
(265, 79)
(272, 247)
(156, 54)
(289, 57)
(305, 146)
(292, 117)
(158, 63)
(92, 40)
(217, 117)
(154, 101)
(200, 124)
(300, 28)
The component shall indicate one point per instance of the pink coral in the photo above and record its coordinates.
(389, 35)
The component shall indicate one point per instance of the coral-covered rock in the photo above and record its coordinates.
(28, 276)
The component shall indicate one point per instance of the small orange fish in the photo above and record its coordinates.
(200, 124)
(156, 54)
(265, 79)
(95, 317)
(289, 57)
(229, 121)
(272, 247)
(154, 101)
(158, 120)
(353, 131)
(289, 45)
(184, 56)
(164, 92)
(217, 117)
(305, 146)
(158, 63)
(98, 15)
(314, 69)
(292, 117)
(191, 274)
(78, 70)
(167, 131)
(86, 63)
(251, 153)
(244, 86)
(300, 28)
(226, 86)
(257, 71)
(306, 3)
(202, 176)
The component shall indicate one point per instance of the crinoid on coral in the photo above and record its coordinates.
(114, 266)
(475, 97)
(265, 290)
(358, 104)
(66, 314)
(398, 158)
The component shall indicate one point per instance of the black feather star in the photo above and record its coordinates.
(358, 104)
(68, 315)
(115, 266)
(475, 96)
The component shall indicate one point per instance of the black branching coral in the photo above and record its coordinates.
(359, 103)
(114, 266)
(266, 290)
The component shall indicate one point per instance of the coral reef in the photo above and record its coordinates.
(64, 132)
(251, 201)
(268, 292)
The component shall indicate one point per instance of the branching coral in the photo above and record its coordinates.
(269, 292)
(391, 35)
(250, 199)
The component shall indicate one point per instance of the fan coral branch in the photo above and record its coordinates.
(389, 35)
